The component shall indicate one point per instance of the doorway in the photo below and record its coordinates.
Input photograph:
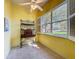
(27, 32)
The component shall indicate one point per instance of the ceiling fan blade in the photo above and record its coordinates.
(38, 7)
(24, 3)
(39, 1)
(33, 7)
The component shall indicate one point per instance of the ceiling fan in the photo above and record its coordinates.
(34, 4)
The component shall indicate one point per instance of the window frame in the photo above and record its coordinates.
(69, 19)
(69, 16)
(46, 22)
(65, 2)
(56, 21)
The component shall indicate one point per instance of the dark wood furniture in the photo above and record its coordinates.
(27, 33)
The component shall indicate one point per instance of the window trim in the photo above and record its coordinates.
(68, 20)
(65, 2)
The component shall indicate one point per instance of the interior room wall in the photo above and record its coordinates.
(18, 13)
(7, 34)
(15, 34)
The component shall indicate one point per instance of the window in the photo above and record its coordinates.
(59, 20)
(46, 23)
(60, 13)
(72, 26)
(48, 28)
(43, 28)
(71, 19)
(55, 21)
(60, 28)
(72, 6)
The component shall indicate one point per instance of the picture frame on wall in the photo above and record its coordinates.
(6, 24)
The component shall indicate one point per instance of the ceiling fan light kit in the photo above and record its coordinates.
(34, 4)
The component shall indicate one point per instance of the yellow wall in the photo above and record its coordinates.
(7, 34)
(15, 33)
(21, 12)
(63, 47)
(7, 9)
(18, 13)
